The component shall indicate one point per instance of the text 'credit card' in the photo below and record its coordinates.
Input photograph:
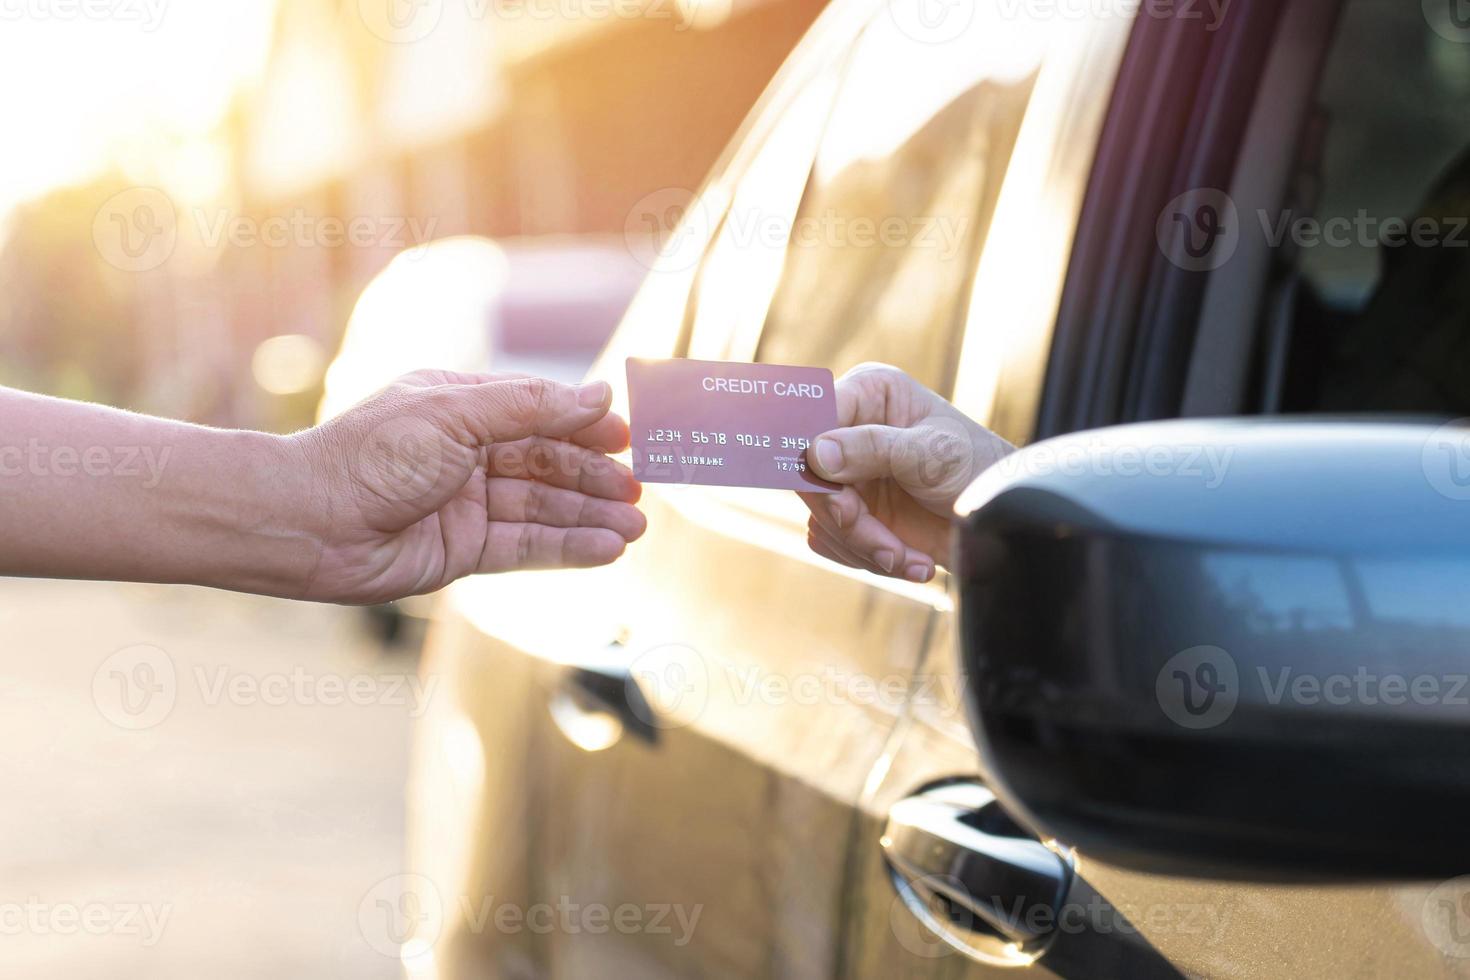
(728, 424)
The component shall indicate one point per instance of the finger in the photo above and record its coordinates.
(841, 509)
(608, 434)
(505, 411)
(513, 546)
(871, 541)
(564, 465)
(836, 544)
(820, 547)
(530, 502)
(433, 377)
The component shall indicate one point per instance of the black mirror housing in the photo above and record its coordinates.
(1228, 649)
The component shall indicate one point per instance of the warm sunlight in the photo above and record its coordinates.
(126, 83)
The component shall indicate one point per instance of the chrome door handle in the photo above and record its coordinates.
(972, 877)
(596, 701)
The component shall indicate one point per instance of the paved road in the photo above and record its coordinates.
(195, 784)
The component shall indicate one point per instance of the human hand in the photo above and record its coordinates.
(443, 475)
(904, 455)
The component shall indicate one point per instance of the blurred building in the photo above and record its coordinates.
(378, 124)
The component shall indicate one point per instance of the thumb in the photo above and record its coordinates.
(508, 411)
(934, 461)
(856, 454)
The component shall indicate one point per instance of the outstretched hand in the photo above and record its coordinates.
(443, 475)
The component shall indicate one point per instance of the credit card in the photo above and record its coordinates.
(728, 424)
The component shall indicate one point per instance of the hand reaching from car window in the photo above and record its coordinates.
(903, 455)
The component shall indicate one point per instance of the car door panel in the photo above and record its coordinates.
(736, 804)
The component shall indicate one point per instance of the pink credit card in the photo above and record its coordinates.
(728, 424)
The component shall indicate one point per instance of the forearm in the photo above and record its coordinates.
(92, 492)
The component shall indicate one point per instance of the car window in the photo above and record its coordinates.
(867, 251)
(1374, 242)
(743, 265)
(900, 197)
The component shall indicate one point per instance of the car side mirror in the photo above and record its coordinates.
(1234, 649)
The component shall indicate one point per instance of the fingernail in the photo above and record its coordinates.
(885, 560)
(829, 454)
(594, 395)
(918, 573)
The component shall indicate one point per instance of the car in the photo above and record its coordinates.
(725, 756)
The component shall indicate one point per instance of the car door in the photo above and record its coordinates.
(1397, 128)
(765, 681)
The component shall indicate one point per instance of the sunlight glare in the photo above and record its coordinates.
(86, 93)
